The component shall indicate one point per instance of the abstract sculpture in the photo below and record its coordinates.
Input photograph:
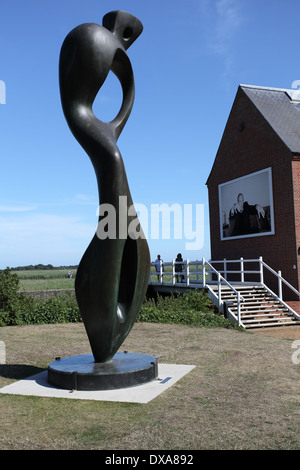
(112, 277)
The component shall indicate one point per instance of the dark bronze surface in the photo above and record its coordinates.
(83, 373)
(112, 277)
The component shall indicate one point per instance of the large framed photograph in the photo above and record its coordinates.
(246, 206)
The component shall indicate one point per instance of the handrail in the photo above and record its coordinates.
(282, 302)
(262, 265)
(220, 279)
(223, 278)
(242, 271)
(186, 273)
(280, 280)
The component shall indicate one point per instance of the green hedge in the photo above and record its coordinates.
(12, 303)
(21, 309)
(61, 308)
(193, 308)
(56, 309)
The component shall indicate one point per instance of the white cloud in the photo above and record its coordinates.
(16, 208)
(223, 20)
(31, 234)
(86, 199)
(228, 21)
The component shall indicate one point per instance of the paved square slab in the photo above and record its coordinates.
(37, 385)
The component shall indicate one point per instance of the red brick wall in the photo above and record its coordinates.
(296, 187)
(240, 153)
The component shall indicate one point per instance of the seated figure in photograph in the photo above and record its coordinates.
(240, 214)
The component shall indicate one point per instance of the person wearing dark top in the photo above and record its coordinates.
(179, 267)
(240, 214)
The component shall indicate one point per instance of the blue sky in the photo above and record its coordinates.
(188, 63)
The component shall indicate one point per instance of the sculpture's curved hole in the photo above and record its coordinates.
(107, 103)
(127, 278)
(127, 33)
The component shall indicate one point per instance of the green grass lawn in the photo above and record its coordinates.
(243, 393)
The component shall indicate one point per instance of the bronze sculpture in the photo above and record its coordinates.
(113, 274)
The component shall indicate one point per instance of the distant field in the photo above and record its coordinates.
(45, 279)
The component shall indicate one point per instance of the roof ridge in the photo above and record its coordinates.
(259, 87)
(293, 94)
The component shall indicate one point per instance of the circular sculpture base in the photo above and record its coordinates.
(83, 373)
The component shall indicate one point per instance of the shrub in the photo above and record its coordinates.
(193, 308)
(60, 308)
(13, 304)
(18, 308)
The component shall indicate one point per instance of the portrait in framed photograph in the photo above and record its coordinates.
(246, 206)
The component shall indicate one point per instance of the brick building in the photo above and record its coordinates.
(259, 157)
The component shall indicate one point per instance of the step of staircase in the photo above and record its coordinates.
(258, 309)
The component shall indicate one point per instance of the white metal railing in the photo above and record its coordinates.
(222, 280)
(261, 265)
(280, 280)
(203, 273)
(241, 271)
(183, 273)
(189, 277)
(193, 272)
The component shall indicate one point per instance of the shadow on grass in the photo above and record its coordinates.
(18, 371)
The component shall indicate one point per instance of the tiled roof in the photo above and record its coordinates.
(281, 108)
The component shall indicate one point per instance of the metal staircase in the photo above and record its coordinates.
(258, 308)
